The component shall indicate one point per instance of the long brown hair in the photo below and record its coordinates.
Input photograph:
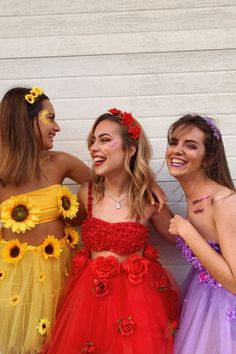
(216, 165)
(137, 166)
(19, 149)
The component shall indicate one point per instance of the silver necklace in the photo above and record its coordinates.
(118, 202)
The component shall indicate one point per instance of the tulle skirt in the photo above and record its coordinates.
(116, 308)
(208, 319)
(31, 281)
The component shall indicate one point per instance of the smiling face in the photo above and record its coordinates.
(107, 150)
(186, 151)
(45, 126)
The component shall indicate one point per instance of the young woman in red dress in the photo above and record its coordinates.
(120, 299)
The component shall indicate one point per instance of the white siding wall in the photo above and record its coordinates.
(159, 59)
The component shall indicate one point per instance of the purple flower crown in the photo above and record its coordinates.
(214, 129)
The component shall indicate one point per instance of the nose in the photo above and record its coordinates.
(94, 147)
(56, 126)
(178, 150)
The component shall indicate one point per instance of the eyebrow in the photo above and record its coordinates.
(191, 141)
(186, 141)
(102, 134)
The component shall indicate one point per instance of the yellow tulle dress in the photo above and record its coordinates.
(32, 277)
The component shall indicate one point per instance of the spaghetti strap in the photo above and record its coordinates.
(90, 200)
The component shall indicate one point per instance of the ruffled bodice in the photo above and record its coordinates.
(123, 238)
(203, 275)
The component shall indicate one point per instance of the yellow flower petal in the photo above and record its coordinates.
(51, 247)
(71, 236)
(13, 251)
(19, 214)
(43, 326)
(67, 202)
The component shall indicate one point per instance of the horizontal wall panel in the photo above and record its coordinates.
(153, 126)
(38, 69)
(42, 7)
(132, 43)
(118, 22)
(176, 105)
(133, 85)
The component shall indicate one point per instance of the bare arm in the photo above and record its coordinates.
(161, 222)
(73, 168)
(158, 196)
(221, 266)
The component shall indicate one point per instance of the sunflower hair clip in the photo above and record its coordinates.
(128, 120)
(34, 93)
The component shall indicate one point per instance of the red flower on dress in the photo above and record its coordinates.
(161, 282)
(151, 252)
(101, 287)
(104, 267)
(126, 326)
(88, 348)
(79, 260)
(173, 325)
(136, 266)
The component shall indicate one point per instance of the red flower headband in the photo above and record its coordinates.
(127, 119)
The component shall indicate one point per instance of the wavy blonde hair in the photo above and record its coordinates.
(137, 166)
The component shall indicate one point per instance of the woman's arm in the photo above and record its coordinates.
(73, 168)
(158, 196)
(161, 222)
(221, 266)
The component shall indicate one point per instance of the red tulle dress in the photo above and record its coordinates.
(116, 308)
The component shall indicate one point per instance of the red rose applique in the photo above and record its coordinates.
(151, 252)
(104, 267)
(135, 266)
(101, 287)
(88, 348)
(126, 326)
(79, 260)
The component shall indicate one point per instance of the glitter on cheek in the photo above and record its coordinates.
(43, 117)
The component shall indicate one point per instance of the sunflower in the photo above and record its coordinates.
(29, 98)
(13, 251)
(51, 247)
(43, 326)
(42, 277)
(67, 202)
(14, 299)
(71, 236)
(20, 214)
(2, 275)
(38, 90)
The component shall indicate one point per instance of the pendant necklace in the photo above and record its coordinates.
(118, 202)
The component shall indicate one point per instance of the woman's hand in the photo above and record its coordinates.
(157, 196)
(180, 226)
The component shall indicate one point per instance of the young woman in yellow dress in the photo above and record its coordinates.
(35, 246)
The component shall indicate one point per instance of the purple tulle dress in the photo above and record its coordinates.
(208, 318)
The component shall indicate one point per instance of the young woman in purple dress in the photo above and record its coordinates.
(196, 158)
